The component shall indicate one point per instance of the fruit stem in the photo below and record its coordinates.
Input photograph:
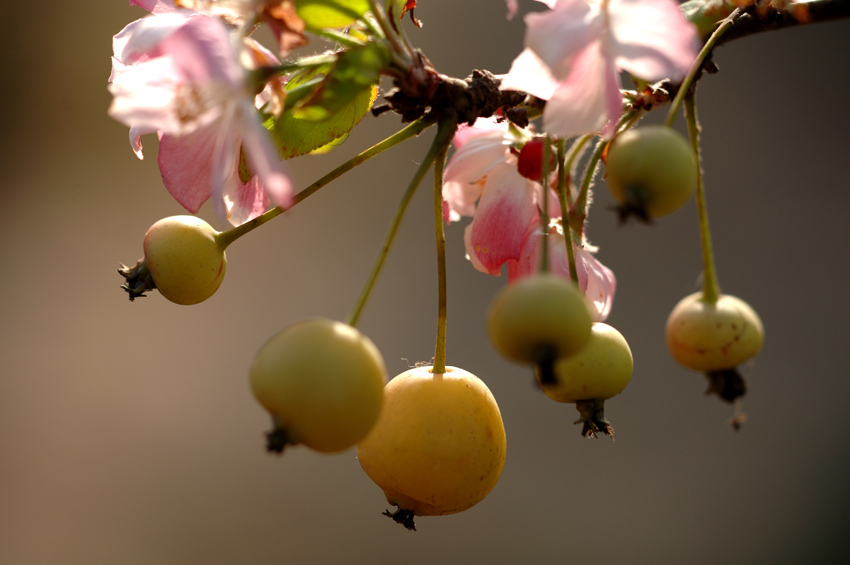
(225, 238)
(544, 211)
(563, 198)
(441, 142)
(578, 213)
(710, 287)
(439, 365)
(687, 83)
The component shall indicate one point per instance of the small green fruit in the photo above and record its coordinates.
(652, 171)
(538, 319)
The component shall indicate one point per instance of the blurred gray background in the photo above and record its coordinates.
(128, 433)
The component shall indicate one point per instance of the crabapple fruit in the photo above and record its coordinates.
(596, 372)
(539, 319)
(184, 259)
(651, 171)
(706, 336)
(323, 383)
(439, 444)
(599, 370)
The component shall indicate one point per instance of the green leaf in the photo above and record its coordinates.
(298, 136)
(331, 13)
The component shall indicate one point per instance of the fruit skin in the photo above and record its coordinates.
(439, 445)
(323, 383)
(184, 259)
(598, 371)
(713, 337)
(652, 171)
(536, 314)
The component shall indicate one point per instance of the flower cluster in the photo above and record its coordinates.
(573, 55)
(185, 74)
(574, 52)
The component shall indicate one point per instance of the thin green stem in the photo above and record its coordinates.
(563, 198)
(225, 238)
(439, 367)
(439, 141)
(400, 51)
(576, 149)
(343, 39)
(544, 212)
(710, 288)
(578, 213)
(686, 85)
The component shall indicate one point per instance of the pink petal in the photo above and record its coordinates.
(504, 213)
(599, 286)
(651, 39)
(186, 166)
(155, 6)
(512, 8)
(588, 99)
(466, 132)
(477, 156)
(459, 199)
(529, 74)
(558, 35)
(480, 152)
(263, 157)
(470, 250)
(245, 201)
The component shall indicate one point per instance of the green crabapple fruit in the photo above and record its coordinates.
(715, 338)
(539, 319)
(183, 260)
(598, 371)
(651, 172)
(322, 381)
(439, 445)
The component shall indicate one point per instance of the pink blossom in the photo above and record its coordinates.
(574, 52)
(482, 180)
(596, 281)
(179, 74)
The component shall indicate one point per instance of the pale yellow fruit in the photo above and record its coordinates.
(439, 445)
(707, 336)
(185, 260)
(598, 371)
(323, 383)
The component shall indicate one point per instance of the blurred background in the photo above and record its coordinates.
(128, 433)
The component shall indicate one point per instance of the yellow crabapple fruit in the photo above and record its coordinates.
(599, 370)
(184, 259)
(590, 376)
(322, 381)
(715, 337)
(706, 336)
(439, 445)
